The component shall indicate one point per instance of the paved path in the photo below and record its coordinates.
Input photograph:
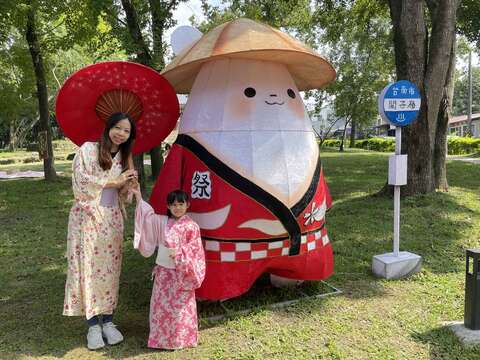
(21, 174)
(465, 159)
(24, 174)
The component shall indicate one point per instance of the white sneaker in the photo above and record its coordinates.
(94, 337)
(112, 335)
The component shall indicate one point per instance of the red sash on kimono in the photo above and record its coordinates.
(240, 222)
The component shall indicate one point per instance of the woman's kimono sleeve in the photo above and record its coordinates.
(190, 260)
(149, 229)
(87, 183)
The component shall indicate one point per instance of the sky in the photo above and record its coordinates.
(182, 14)
(186, 9)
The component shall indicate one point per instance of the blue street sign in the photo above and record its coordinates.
(399, 103)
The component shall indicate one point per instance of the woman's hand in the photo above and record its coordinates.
(127, 175)
(123, 179)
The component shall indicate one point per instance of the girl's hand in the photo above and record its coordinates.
(135, 189)
(173, 253)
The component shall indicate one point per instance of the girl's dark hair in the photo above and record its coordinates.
(104, 155)
(178, 196)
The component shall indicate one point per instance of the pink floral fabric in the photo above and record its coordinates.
(94, 242)
(173, 309)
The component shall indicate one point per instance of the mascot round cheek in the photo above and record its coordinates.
(247, 155)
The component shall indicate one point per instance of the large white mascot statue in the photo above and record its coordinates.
(247, 155)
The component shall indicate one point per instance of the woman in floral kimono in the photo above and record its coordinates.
(179, 270)
(95, 228)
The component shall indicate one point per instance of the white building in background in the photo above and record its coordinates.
(458, 125)
(322, 121)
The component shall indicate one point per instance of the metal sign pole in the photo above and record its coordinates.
(398, 104)
(396, 197)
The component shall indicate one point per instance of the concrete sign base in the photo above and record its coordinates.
(466, 336)
(390, 266)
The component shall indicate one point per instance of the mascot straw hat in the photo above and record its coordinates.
(247, 39)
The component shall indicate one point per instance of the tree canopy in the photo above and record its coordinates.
(71, 35)
(460, 98)
(366, 40)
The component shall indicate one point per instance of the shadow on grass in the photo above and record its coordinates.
(262, 296)
(358, 173)
(443, 344)
(432, 226)
(456, 171)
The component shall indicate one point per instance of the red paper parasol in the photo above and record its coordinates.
(93, 93)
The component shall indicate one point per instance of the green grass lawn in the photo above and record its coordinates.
(371, 319)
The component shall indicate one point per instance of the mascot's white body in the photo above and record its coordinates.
(247, 156)
(267, 138)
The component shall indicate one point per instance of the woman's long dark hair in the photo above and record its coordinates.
(104, 155)
(178, 196)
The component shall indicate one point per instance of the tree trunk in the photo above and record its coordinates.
(141, 49)
(441, 149)
(42, 93)
(343, 137)
(158, 15)
(13, 137)
(143, 57)
(156, 161)
(352, 134)
(138, 164)
(425, 61)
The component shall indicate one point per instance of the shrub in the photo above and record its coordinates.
(462, 145)
(456, 145)
(31, 159)
(377, 144)
(63, 145)
(32, 147)
(331, 143)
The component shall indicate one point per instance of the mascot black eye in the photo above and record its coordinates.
(250, 92)
(291, 93)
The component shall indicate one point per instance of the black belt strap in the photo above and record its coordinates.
(282, 212)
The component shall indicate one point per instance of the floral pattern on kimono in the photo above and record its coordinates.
(95, 236)
(173, 309)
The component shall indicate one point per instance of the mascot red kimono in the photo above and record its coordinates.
(247, 155)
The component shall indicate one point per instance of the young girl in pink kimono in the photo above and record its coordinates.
(179, 270)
